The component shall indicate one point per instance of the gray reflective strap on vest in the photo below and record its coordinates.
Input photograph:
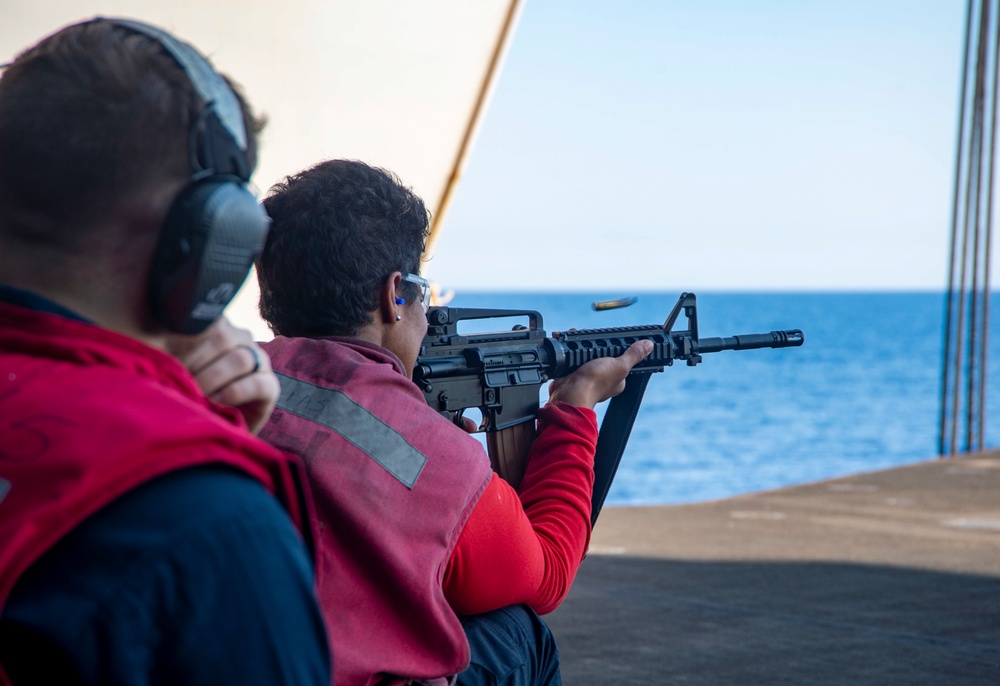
(334, 410)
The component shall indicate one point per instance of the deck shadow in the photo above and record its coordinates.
(631, 620)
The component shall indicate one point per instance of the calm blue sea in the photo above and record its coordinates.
(862, 393)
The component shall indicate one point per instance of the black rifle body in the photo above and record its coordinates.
(501, 373)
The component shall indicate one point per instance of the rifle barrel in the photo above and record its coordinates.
(750, 341)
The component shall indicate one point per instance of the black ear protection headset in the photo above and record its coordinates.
(215, 228)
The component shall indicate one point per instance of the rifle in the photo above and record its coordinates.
(500, 373)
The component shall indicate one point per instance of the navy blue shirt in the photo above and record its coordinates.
(196, 577)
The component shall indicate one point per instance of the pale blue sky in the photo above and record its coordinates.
(714, 145)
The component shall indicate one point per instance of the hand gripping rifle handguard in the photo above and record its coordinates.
(501, 373)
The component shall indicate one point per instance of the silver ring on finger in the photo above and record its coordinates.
(256, 357)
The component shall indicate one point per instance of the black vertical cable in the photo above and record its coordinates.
(964, 365)
(971, 215)
(945, 377)
(989, 242)
(975, 199)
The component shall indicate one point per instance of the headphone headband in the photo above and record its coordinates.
(218, 98)
(215, 227)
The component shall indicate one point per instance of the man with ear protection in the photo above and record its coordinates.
(146, 536)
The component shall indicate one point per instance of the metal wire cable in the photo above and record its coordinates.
(964, 368)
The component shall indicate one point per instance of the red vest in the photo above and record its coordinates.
(87, 414)
(391, 499)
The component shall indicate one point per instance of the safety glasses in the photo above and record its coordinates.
(425, 289)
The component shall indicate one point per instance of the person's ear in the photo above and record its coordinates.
(390, 303)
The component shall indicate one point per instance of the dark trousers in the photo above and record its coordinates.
(511, 646)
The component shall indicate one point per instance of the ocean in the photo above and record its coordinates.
(862, 393)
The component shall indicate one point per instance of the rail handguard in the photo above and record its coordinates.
(501, 373)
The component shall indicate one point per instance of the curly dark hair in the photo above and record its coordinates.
(338, 230)
(89, 115)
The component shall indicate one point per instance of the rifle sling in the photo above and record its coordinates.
(613, 436)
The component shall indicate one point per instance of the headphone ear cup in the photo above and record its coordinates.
(214, 231)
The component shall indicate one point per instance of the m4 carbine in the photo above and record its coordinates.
(501, 373)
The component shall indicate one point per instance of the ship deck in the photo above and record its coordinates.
(888, 577)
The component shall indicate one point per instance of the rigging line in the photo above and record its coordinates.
(989, 239)
(962, 97)
(961, 258)
(976, 226)
(973, 172)
(977, 369)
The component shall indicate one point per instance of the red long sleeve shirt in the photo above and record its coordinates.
(526, 546)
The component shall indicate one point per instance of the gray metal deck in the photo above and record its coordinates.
(889, 577)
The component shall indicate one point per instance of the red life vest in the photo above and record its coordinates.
(391, 500)
(87, 414)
